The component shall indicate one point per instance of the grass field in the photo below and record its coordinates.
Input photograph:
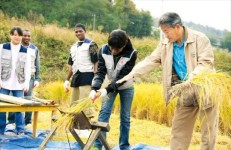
(154, 128)
(142, 131)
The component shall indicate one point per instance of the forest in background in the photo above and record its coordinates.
(54, 43)
(100, 15)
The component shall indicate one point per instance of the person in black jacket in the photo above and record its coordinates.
(116, 60)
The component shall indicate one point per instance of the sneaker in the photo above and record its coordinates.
(21, 133)
(10, 133)
(10, 126)
(83, 133)
(28, 126)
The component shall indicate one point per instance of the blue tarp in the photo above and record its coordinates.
(26, 142)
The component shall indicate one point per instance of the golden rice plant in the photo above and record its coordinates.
(68, 115)
(54, 91)
(148, 103)
(149, 98)
(214, 88)
(225, 119)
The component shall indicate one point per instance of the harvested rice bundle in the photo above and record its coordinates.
(66, 119)
(208, 88)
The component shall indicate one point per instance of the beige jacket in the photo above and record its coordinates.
(198, 56)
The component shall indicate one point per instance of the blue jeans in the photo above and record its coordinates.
(28, 96)
(126, 98)
(18, 115)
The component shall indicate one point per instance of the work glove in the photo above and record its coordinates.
(36, 83)
(103, 92)
(180, 89)
(92, 95)
(95, 95)
(125, 78)
(66, 86)
(26, 87)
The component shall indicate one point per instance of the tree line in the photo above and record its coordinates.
(101, 15)
(219, 38)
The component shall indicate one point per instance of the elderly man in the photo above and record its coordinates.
(182, 54)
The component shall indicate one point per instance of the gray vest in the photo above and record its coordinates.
(6, 63)
(81, 57)
(33, 51)
(112, 70)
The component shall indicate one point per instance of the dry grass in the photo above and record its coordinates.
(53, 91)
(142, 131)
(148, 104)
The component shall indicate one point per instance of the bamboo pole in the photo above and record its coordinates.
(18, 100)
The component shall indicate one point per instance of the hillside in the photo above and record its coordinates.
(111, 14)
(54, 43)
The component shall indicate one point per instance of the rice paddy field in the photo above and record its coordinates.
(151, 119)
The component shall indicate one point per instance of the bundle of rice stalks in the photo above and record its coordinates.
(208, 88)
(68, 115)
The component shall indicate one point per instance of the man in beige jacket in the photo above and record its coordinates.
(182, 54)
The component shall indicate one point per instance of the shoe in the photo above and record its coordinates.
(10, 133)
(10, 126)
(28, 126)
(83, 133)
(21, 133)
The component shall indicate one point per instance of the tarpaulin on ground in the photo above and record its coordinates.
(26, 142)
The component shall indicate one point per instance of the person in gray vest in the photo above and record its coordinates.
(15, 71)
(116, 59)
(83, 64)
(35, 76)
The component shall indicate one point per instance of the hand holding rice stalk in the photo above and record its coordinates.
(210, 87)
(68, 116)
(94, 95)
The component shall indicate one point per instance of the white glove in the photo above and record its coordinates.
(66, 84)
(26, 87)
(92, 94)
(103, 92)
(36, 83)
